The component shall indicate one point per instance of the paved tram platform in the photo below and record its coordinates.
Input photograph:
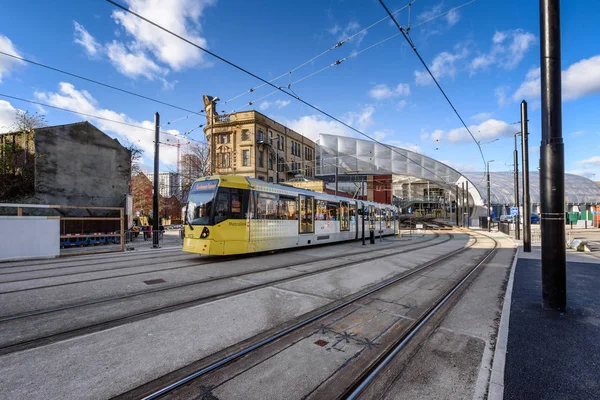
(549, 354)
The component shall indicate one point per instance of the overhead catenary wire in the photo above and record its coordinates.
(334, 64)
(94, 116)
(335, 46)
(99, 83)
(268, 83)
(414, 48)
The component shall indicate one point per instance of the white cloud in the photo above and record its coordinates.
(505, 53)
(590, 162)
(361, 120)
(7, 116)
(452, 18)
(580, 79)
(334, 29)
(277, 103)
(383, 91)
(179, 16)
(577, 133)
(500, 93)
(588, 173)
(312, 125)
(350, 29)
(401, 104)
(133, 65)
(83, 38)
(490, 129)
(8, 63)
(82, 101)
(443, 65)
(481, 116)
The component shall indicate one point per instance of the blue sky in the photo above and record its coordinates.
(485, 54)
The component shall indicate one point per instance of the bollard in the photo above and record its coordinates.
(372, 237)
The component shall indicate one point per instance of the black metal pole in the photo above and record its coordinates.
(552, 169)
(456, 205)
(525, 163)
(468, 213)
(362, 187)
(336, 180)
(155, 216)
(462, 208)
(517, 217)
(489, 199)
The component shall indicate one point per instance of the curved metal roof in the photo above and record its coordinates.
(367, 157)
(578, 189)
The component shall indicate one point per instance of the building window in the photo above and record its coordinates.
(224, 160)
(245, 135)
(246, 158)
(261, 162)
(260, 136)
(261, 178)
(281, 145)
(224, 138)
(270, 179)
(270, 163)
(308, 153)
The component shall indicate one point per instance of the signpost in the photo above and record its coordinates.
(514, 211)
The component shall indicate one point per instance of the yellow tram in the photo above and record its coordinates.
(228, 215)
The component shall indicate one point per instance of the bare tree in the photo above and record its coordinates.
(135, 156)
(17, 156)
(195, 163)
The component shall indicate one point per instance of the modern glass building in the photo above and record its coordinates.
(421, 182)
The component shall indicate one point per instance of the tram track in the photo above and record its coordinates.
(174, 384)
(194, 263)
(138, 298)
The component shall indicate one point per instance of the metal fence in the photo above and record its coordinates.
(136, 239)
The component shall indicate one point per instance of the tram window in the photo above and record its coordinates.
(239, 203)
(352, 212)
(267, 206)
(288, 208)
(222, 205)
(388, 219)
(200, 202)
(306, 214)
(321, 210)
(332, 211)
(344, 215)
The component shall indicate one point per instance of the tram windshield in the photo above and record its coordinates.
(200, 202)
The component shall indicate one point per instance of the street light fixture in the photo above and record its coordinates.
(212, 139)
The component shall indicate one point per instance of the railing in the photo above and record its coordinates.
(504, 227)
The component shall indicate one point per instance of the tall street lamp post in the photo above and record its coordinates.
(489, 199)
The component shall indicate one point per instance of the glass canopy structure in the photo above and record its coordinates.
(578, 189)
(351, 156)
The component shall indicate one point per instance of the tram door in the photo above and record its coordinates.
(306, 208)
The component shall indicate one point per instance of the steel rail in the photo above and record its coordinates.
(375, 370)
(298, 325)
(51, 338)
(201, 281)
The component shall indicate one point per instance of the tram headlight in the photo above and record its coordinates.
(205, 233)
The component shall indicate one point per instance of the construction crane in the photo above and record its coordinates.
(178, 145)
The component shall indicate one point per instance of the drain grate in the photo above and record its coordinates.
(321, 342)
(154, 281)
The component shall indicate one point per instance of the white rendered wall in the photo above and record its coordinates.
(25, 237)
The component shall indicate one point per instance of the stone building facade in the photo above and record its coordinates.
(74, 164)
(250, 144)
